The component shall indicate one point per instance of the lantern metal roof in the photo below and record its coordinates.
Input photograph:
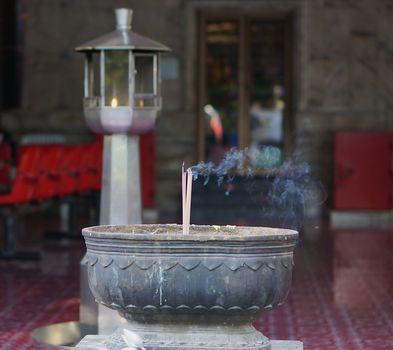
(123, 38)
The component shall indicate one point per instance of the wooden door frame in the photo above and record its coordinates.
(243, 17)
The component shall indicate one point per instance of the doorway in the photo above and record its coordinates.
(245, 95)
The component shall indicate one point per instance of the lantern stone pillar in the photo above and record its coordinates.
(121, 204)
(121, 101)
(120, 195)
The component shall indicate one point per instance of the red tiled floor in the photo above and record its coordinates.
(341, 299)
(341, 296)
(37, 294)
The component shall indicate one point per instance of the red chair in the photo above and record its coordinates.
(5, 165)
(70, 174)
(88, 167)
(27, 174)
(70, 170)
(80, 174)
(23, 189)
(48, 185)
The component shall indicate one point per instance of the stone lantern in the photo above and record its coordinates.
(121, 100)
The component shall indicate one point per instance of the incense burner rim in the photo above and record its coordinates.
(204, 233)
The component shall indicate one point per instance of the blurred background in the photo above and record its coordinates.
(298, 82)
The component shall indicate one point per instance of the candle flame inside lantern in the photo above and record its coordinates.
(141, 103)
(114, 102)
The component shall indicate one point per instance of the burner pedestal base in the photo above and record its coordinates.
(97, 342)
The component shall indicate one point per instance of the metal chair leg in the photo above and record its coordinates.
(8, 252)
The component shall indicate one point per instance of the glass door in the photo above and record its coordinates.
(221, 107)
(244, 95)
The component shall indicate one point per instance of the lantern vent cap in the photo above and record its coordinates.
(123, 18)
(123, 38)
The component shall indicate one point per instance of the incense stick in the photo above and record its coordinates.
(186, 191)
(183, 192)
(186, 224)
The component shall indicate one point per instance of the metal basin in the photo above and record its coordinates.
(58, 334)
(196, 291)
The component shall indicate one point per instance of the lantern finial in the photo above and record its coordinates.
(123, 18)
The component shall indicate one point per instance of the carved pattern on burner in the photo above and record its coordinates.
(189, 264)
(130, 308)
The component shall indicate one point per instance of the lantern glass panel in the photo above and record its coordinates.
(95, 88)
(116, 78)
(144, 78)
(92, 75)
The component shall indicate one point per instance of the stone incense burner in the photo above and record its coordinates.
(196, 291)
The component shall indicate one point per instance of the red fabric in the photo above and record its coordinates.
(148, 174)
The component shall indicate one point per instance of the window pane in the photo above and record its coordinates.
(267, 93)
(95, 71)
(116, 78)
(144, 75)
(221, 110)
